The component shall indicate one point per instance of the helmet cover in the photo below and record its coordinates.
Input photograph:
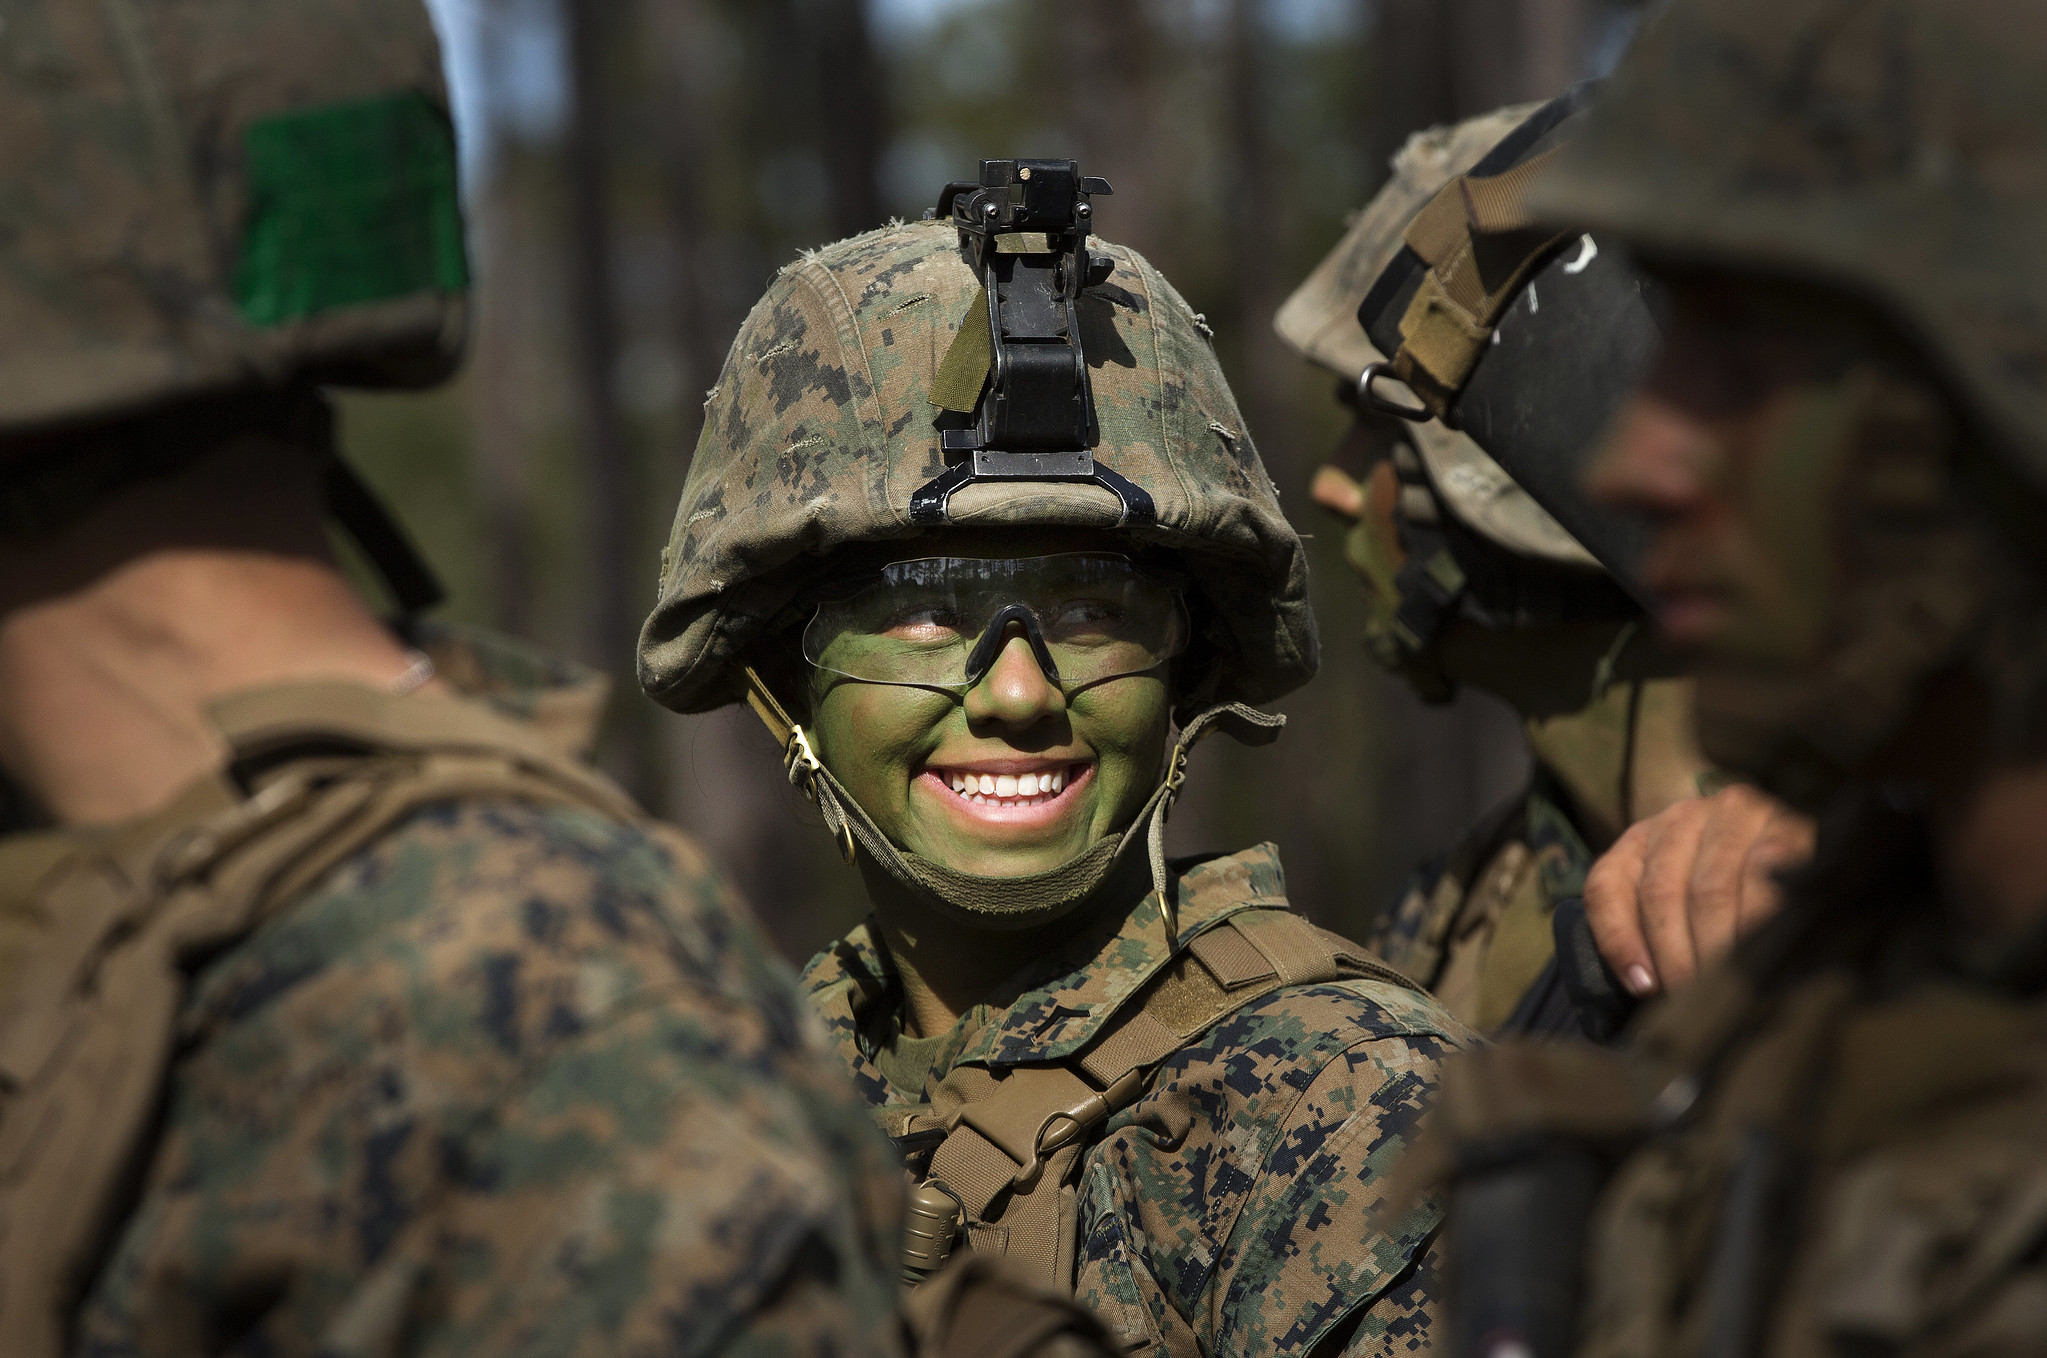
(821, 429)
(1893, 149)
(1320, 323)
(221, 195)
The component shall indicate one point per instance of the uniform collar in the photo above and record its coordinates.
(1055, 1004)
(518, 694)
(560, 700)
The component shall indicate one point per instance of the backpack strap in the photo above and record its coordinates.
(89, 1021)
(1007, 1142)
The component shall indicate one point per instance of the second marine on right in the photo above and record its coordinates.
(1481, 356)
(1829, 1145)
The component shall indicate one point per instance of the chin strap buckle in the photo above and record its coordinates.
(799, 760)
(1176, 777)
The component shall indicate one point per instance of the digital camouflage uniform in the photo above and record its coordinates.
(1217, 1187)
(1475, 923)
(513, 1078)
(1235, 1208)
(1830, 1145)
(402, 1031)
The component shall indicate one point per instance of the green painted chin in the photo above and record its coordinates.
(905, 754)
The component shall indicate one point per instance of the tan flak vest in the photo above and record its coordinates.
(1826, 1167)
(1003, 1147)
(98, 933)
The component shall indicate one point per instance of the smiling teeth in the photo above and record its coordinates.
(1005, 789)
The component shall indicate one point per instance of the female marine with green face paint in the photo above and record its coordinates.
(1146, 1082)
(977, 751)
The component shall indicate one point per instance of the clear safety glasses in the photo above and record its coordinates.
(940, 622)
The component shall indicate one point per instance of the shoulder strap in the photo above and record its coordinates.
(1414, 935)
(1478, 244)
(1011, 1140)
(87, 1029)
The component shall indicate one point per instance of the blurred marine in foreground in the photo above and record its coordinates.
(343, 1008)
(1830, 1145)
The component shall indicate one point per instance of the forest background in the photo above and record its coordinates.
(636, 170)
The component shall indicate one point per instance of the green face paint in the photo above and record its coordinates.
(1850, 572)
(1376, 562)
(1372, 548)
(1053, 776)
(1788, 504)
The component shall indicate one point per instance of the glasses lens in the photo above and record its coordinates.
(917, 624)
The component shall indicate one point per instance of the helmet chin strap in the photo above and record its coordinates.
(1006, 903)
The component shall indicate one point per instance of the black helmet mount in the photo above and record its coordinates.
(1017, 364)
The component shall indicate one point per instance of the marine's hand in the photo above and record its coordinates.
(1678, 888)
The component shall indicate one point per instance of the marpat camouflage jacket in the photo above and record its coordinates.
(512, 1080)
(1828, 1144)
(1474, 925)
(1235, 1205)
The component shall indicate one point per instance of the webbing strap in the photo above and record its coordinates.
(964, 370)
(88, 1034)
(1012, 1140)
(1479, 244)
(1138, 1041)
(1471, 206)
(1041, 896)
(1231, 958)
(1015, 1114)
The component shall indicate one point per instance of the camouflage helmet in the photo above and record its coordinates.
(1479, 544)
(218, 196)
(1320, 323)
(207, 211)
(1896, 150)
(821, 428)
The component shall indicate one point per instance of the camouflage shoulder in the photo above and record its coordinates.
(1394, 1010)
(1311, 1097)
(845, 984)
(1359, 1064)
(529, 1071)
(1342, 1013)
(531, 880)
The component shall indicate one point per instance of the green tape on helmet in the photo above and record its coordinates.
(350, 203)
(220, 198)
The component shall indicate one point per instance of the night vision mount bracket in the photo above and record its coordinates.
(1036, 419)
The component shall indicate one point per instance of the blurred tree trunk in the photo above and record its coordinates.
(1442, 60)
(673, 26)
(1110, 94)
(1554, 47)
(727, 786)
(610, 524)
(1259, 227)
(502, 446)
(1415, 75)
(852, 110)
